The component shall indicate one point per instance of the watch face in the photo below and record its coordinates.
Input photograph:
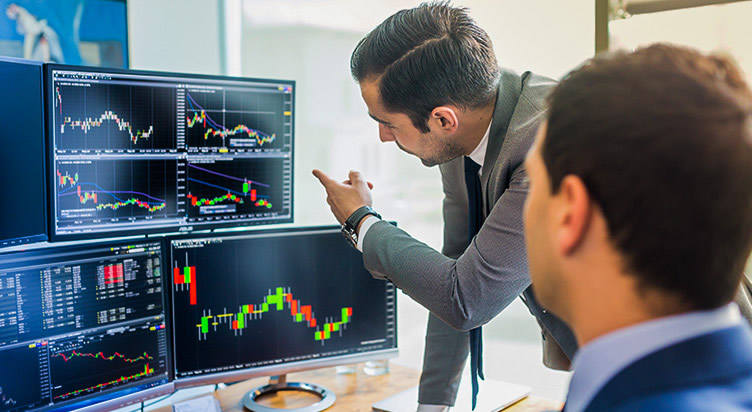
(350, 236)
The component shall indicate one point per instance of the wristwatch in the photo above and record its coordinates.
(351, 224)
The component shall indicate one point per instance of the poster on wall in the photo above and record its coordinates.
(79, 32)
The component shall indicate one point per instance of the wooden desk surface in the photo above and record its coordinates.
(355, 392)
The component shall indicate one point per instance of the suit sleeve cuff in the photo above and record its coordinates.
(370, 220)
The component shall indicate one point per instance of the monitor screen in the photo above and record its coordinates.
(274, 301)
(138, 152)
(23, 213)
(83, 324)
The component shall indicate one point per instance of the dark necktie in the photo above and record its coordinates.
(474, 222)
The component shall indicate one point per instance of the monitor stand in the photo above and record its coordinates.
(279, 383)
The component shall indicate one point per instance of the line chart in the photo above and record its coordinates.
(214, 129)
(236, 120)
(84, 196)
(114, 117)
(115, 189)
(85, 364)
(223, 188)
(122, 379)
(102, 356)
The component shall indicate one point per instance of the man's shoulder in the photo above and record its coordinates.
(525, 118)
(733, 395)
(535, 90)
(714, 368)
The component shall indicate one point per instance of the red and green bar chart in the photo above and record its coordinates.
(279, 301)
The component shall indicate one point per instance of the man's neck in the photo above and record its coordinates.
(613, 311)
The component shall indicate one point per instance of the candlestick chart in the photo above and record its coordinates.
(117, 190)
(117, 117)
(285, 297)
(280, 300)
(230, 120)
(240, 187)
(109, 359)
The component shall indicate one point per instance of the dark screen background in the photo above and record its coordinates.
(22, 211)
(318, 269)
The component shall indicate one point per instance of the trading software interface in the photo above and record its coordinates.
(258, 300)
(138, 152)
(79, 323)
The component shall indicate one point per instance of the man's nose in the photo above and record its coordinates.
(385, 134)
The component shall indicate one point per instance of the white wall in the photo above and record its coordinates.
(548, 37)
(174, 35)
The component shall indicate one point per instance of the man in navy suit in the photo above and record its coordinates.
(638, 225)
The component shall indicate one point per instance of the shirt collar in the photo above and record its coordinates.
(600, 360)
(480, 151)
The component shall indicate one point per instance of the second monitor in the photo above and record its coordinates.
(135, 152)
(273, 302)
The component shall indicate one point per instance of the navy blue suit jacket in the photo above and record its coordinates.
(712, 372)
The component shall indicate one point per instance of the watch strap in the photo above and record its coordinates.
(352, 222)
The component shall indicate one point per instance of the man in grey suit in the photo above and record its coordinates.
(430, 78)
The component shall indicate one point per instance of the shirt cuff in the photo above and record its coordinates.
(370, 220)
(432, 408)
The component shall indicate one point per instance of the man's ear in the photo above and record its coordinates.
(445, 118)
(575, 214)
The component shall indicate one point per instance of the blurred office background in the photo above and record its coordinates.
(310, 41)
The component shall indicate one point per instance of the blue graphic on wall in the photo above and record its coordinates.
(83, 32)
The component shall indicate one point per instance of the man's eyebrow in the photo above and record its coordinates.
(379, 120)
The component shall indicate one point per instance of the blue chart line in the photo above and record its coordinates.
(223, 131)
(69, 191)
(228, 177)
(223, 188)
(230, 195)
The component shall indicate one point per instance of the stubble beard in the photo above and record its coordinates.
(445, 151)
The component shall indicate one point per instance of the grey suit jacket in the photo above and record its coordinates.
(466, 286)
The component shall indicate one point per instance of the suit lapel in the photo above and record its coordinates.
(510, 88)
(725, 354)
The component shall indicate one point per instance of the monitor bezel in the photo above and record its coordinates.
(104, 233)
(44, 236)
(130, 397)
(280, 369)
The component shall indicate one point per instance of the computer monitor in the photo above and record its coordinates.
(83, 326)
(136, 152)
(22, 162)
(274, 301)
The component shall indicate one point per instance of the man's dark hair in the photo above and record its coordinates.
(426, 57)
(662, 139)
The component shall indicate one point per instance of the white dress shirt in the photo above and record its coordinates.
(600, 360)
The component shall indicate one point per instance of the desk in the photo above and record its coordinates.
(355, 392)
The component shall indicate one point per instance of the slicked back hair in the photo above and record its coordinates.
(662, 139)
(426, 57)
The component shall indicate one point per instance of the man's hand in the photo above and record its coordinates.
(346, 197)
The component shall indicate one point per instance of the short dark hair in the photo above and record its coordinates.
(662, 139)
(426, 57)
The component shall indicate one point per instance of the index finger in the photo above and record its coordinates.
(323, 178)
